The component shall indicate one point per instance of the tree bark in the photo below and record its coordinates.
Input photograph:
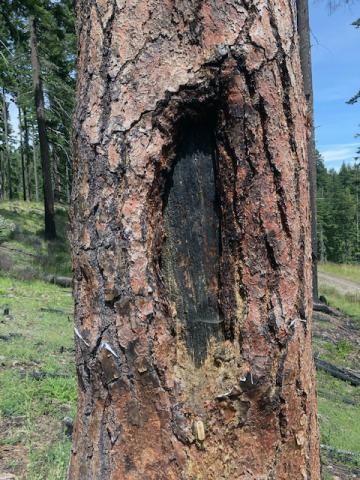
(23, 173)
(50, 228)
(6, 150)
(305, 57)
(191, 244)
(2, 176)
(27, 155)
(35, 165)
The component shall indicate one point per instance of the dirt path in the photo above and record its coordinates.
(341, 284)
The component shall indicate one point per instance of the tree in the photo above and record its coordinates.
(50, 228)
(191, 244)
(55, 52)
(305, 57)
(338, 213)
(7, 159)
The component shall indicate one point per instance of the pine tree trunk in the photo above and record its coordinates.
(35, 166)
(305, 58)
(50, 229)
(191, 244)
(23, 174)
(67, 181)
(7, 158)
(2, 176)
(27, 155)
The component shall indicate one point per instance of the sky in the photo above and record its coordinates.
(336, 78)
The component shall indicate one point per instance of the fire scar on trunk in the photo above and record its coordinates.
(193, 246)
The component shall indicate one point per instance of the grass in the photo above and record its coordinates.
(37, 378)
(24, 251)
(339, 425)
(347, 271)
(339, 402)
(338, 353)
(349, 304)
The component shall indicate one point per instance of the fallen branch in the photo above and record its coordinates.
(322, 307)
(338, 398)
(344, 455)
(65, 282)
(340, 373)
(17, 250)
(55, 310)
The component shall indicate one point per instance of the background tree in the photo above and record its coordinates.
(191, 244)
(306, 67)
(56, 53)
(338, 213)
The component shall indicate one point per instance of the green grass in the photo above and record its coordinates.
(35, 343)
(338, 353)
(24, 251)
(338, 418)
(339, 421)
(349, 304)
(350, 272)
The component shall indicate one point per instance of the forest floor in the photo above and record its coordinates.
(37, 372)
(337, 341)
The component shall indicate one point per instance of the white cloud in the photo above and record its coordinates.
(336, 154)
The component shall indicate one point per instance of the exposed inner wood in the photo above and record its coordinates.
(192, 248)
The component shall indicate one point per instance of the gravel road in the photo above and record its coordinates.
(342, 285)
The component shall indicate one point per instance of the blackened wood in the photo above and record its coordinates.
(340, 373)
(192, 248)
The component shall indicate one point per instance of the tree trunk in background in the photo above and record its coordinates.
(2, 175)
(191, 244)
(35, 165)
(27, 155)
(7, 158)
(67, 181)
(23, 174)
(50, 229)
(305, 58)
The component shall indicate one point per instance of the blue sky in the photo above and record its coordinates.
(336, 78)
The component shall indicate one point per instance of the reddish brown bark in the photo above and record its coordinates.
(165, 391)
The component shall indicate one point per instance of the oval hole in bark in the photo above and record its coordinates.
(191, 254)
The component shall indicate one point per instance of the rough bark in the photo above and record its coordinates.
(23, 172)
(50, 228)
(2, 176)
(35, 165)
(191, 244)
(27, 155)
(305, 58)
(7, 157)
